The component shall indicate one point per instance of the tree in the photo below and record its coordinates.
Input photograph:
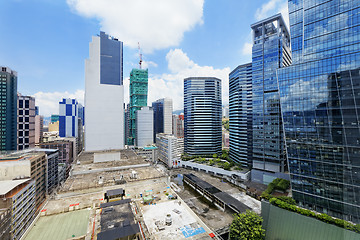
(247, 226)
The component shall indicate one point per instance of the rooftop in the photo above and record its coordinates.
(8, 185)
(117, 220)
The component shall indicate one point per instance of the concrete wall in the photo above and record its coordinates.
(281, 224)
(12, 169)
(106, 157)
(104, 107)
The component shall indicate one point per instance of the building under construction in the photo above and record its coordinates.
(138, 98)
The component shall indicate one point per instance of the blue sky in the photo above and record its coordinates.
(46, 42)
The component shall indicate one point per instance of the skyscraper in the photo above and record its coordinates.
(144, 127)
(271, 50)
(138, 98)
(104, 94)
(202, 115)
(162, 116)
(240, 115)
(320, 99)
(68, 118)
(8, 110)
(26, 122)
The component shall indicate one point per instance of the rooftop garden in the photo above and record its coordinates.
(216, 160)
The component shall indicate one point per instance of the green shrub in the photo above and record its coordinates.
(288, 204)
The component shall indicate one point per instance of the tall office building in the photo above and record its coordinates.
(320, 99)
(240, 115)
(8, 109)
(202, 115)
(138, 98)
(81, 113)
(39, 128)
(163, 109)
(271, 50)
(144, 127)
(26, 122)
(68, 118)
(104, 94)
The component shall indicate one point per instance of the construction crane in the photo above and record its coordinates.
(140, 55)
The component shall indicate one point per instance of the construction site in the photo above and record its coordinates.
(119, 195)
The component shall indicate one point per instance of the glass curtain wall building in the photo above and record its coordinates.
(202, 115)
(320, 103)
(138, 98)
(271, 50)
(8, 109)
(240, 115)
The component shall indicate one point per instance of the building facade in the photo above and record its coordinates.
(202, 115)
(26, 122)
(39, 128)
(104, 94)
(270, 51)
(144, 127)
(178, 125)
(20, 197)
(27, 164)
(54, 118)
(163, 109)
(68, 118)
(126, 122)
(240, 115)
(169, 149)
(320, 99)
(52, 161)
(138, 99)
(8, 109)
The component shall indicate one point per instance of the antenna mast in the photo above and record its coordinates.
(140, 55)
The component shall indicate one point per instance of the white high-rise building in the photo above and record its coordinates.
(104, 94)
(170, 149)
(144, 127)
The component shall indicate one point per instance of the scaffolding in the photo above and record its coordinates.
(138, 98)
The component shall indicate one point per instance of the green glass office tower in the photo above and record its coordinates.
(320, 104)
(138, 98)
(8, 109)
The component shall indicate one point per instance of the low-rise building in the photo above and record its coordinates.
(150, 153)
(39, 128)
(5, 221)
(170, 149)
(65, 147)
(19, 196)
(26, 165)
(118, 221)
(52, 158)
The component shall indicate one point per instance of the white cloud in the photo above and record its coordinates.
(156, 24)
(247, 48)
(172, 84)
(147, 64)
(273, 7)
(48, 102)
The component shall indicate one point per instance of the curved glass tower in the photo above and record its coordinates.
(202, 115)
